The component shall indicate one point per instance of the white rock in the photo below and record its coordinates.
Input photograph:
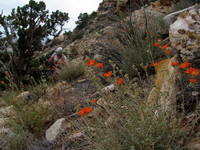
(171, 18)
(109, 88)
(184, 33)
(56, 129)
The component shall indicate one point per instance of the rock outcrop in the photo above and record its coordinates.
(172, 17)
(185, 34)
(174, 88)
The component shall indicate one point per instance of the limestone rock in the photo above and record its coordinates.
(139, 17)
(56, 129)
(171, 18)
(108, 88)
(184, 34)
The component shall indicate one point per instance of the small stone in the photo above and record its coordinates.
(56, 129)
(109, 88)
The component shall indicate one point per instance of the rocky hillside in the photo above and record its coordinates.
(133, 84)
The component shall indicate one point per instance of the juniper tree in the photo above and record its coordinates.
(24, 30)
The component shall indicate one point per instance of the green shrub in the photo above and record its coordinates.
(71, 72)
(137, 46)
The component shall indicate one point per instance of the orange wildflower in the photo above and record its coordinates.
(108, 74)
(99, 65)
(165, 46)
(93, 101)
(85, 111)
(91, 63)
(192, 71)
(119, 81)
(192, 80)
(167, 52)
(156, 44)
(145, 66)
(185, 65)
(154, 64)
(174, 63)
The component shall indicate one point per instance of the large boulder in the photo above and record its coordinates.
(172, 17)
(185, 34)
(142, 16)
(173, 88)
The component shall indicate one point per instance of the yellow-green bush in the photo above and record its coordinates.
(71, 72)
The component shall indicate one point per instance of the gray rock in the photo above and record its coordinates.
(139, 17)
(109, 88)
(56, 130)
(171, 18)
(184, 34)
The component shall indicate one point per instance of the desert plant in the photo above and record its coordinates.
(137, 45)
(136, 126)
(32, 117)
(71, 72)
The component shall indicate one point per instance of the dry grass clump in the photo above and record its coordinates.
(71, 72)
(134, 125)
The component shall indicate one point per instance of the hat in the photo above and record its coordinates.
(58, 50)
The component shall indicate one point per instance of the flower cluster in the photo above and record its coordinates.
(165, 48)
(93, 63)
(85, 111)
(186, 66)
